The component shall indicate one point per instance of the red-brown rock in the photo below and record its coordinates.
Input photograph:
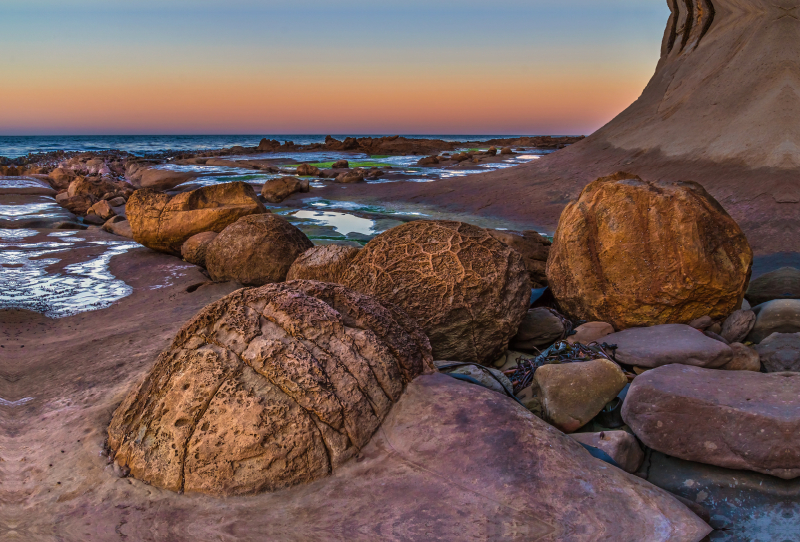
(325, 263)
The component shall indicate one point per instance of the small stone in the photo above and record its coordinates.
(621, 446)
(779, 316)
(307, 170)
(574, 393)
(738, 326)
(340, 164)
(780, 352)
(702, 323)
(539, 328)
(590, 332)
(119, 201)
(744, 359)
(506, 151)
(118, 225)
(94, 220)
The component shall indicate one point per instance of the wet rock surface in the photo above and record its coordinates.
(733, 419)
(610, 262)
(468, 291)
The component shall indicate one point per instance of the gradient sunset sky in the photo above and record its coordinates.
(322, 66)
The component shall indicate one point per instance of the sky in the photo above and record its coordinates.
(322, 66)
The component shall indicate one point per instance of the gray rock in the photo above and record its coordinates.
(779, 316)
(590, 332)
(621, 446)
(488, 377)
(655, 346)
(780, 352)
(738, 326)
(539, 328)
(732, 419)
(744, 359)
(781, 284)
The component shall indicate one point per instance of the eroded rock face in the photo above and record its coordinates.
(638, 253)
(468, 291)
(733, 419)
(164, 223)
(255, 250)
(325, 263)
(268, 388)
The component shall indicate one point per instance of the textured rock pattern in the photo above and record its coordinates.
(268, 388)
(325, 263)
(534, 249)
(164, 223)
(733, 419)
(468, 291)
(636, 253)
(255, 250)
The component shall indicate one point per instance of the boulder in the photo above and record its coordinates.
(638, 253)
(574, 393)
(540, 327)
(61, 178)
(159, 179)
(119, 201)
(103, 210)
(268, 388)
(277, 190)
(79, 205)
(340, 164)
(164, 223)
(255, 250)
(492, 151)
(655, 346)
(118, 225)
(93, 186)
(307, 170)
(506, 151)
(534, 249)
(744, 359)
(468, 291)
(783, 283)
(428, 161)
(738, 326)
(733, 419)
(93, 220)
(488, 377)
(325, 263)
(353, 176)
(620, 446)
(590, 332)
(780, 352)
(778, 316)
(195, 247)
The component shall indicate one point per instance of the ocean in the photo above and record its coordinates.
(16, 146)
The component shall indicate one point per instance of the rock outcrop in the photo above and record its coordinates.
(637, 253)
(325, 263)
(164, 223)
(468, 291)
(733, 419)
(255, 250)
(268, 388)
(277, 190)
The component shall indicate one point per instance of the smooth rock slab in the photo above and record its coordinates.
(655, 346)
(620, 446)
(733, 419)
(780, 352)
(779, 316)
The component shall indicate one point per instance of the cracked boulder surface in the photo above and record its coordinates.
(637, 253)
(163, 223)
(268, 388)
(467, 290)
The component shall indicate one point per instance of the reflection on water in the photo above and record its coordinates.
(18, 212)
(342, 222)
(79, 287)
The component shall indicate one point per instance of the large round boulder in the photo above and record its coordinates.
(468, 291)
(639, 253)
(326, 263)
(277, 190)
(164, 223)
(268, 388)
(256, 250)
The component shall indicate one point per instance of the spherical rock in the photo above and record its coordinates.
(325, 263)
(468, 291)
(255, 250)
(164, 223)
(194, 249)
(307, 170)
(637, 253)
(268, 388)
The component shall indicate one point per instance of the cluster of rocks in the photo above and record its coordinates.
(664, 318)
